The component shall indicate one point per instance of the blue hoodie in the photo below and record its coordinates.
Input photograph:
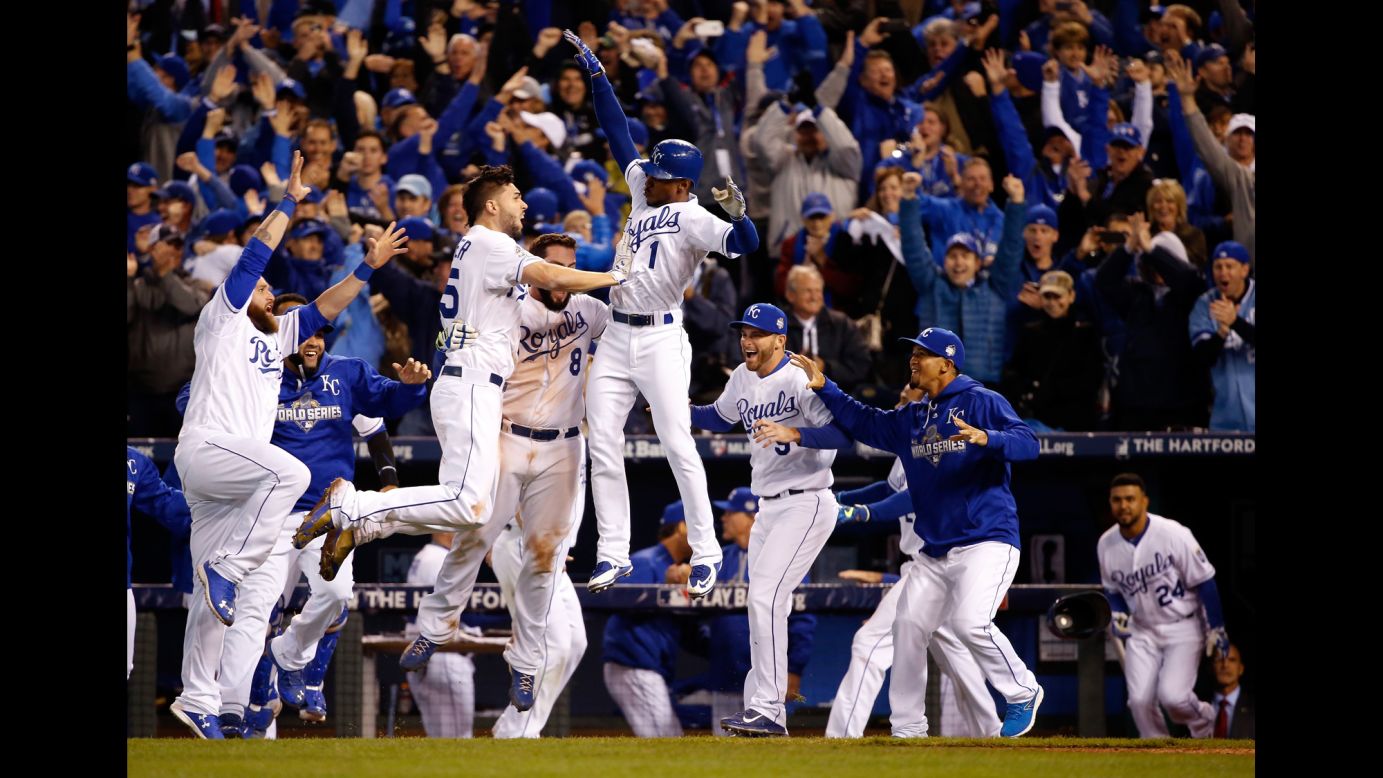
(960, 492)
(147, 493)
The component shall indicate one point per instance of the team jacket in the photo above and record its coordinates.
(647, 641)
(148, 494)
(960, 492)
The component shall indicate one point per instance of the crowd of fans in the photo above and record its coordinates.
(1069, 186)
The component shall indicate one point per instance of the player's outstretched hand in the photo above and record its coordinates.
(294, 188)
(456, 336)
(1119, 625)
(848, 514)
(585, 58)
(768, 433)
(624, 260)
(1217, 643)
(815, 378)
(389, 245)
(861, 576)
(414, 372)
(969, 434)
(730, 198)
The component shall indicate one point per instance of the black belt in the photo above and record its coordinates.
(542, 434)
(453, 370)
(641, 319)
(788, 493)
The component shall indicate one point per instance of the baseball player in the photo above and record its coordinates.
(871, 652)
(445, 687)
(148, 494)
(645, 349)
(239, 486)
(485, 292)
(1158, 581)
(955, 450)
(797, 510)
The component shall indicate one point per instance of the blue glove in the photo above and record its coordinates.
(846, 514)
(585, 58)
(1119, 625)
(1217, 642)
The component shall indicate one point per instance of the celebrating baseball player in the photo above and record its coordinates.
(148, 494)
(238, 485)
(645, 348)
(485, 292)
(797, 511)
(1158, 581)
(955, 451)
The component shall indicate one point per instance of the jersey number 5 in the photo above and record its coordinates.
(451, 299)
(782, 449)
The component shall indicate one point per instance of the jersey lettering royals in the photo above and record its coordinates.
(782, 397)
(484, 291)
(1158, 577)
(668, 243)
(909, 542)
(235, 386)
(546, 387)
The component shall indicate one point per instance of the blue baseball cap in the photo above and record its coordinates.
(1041, 214)
(177, 190)
(940, 342)
(1231, 250)
(1028, 67)
(769, 318)
(673, 513)
(967, 241)
(293, 87)
(1210, 53)
(1126, 134)
(243, 178)
(816, 204)
(308, 227)
(176, 67)
(398, 97)
(221, 221)
(142, 174)
(741, 500)
(638, 131)
(542, 204)
(586, 168)
(417, 228)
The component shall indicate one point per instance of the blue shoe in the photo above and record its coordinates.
(232, 726)
(264, 699)
(203, 726)
(292, 687)
(1020, 716)
(702, 578)
(314, 676)
(314, 709)
(220, 593)
(520, 690)
(605, 575)
(753, 723)
(417, 654)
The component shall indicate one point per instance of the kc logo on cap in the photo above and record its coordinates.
(769, 318)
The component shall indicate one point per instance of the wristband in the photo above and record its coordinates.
(363, 271)
(287, 206)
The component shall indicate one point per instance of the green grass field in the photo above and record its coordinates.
(704, 757)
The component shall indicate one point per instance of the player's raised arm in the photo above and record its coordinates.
(240, 284)
(607, 110)
(389, 245)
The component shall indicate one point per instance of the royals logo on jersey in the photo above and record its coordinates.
(1158, 576)
(780, 397)
(536, 341)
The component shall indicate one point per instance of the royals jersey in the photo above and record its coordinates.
(781, 397)
(317, 415)
(1158, 577)
(236, 383)
(546, 387)
(484, 291)
(668, 243)
(909, 542)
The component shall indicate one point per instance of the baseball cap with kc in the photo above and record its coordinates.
(741, 500)
(769, 318)
(940, 342)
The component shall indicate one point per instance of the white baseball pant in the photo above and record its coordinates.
(566, 644)
(240, 492)
(788, 533)
(129, 632)
(1160, 665)
(445, 691)
(244, 643)
(655, 360)
(871, 655)
(297, 646)
(643, 699)
(961, 590)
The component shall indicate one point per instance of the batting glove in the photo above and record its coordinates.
(585, 58)
(846, 514)
(456, 336)
(1217, 642)
(1120, 624)
(731, 199)
(624, 260)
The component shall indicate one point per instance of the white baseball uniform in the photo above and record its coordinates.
(668, 243)
(484, 291)
(1157, 577)
(790, 528)
(445, 686)
(971, 712)
(239, 486)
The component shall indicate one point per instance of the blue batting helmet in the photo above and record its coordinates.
(674, 159)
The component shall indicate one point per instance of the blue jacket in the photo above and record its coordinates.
(148, 494)
(1233, 372)
(1195, 179)
(945, 216)
(1101, 33)
(1040, 182)
(729, 634)
(800, 45)
(978, 312)
(644, 640)
(315, 413)
(960, 492)
(872, 121)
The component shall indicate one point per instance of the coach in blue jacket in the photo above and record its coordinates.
(955, 445)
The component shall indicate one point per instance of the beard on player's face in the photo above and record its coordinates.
(261, 310)
(554, 301)
(758, 346)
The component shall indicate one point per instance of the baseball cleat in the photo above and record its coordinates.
(520, 690)
(314, 707)
(605, 575)
(292, 688)
(338, 546)
(1020, 716)
(232, 726)
(702, 578)
(203, 726)
(318, 522)
(417, 654)
(220, 593)
(753, 723)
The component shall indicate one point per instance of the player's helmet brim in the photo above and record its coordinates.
(653, 171)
